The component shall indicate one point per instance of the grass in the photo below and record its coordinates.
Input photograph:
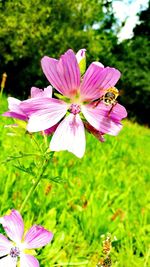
(82, 199)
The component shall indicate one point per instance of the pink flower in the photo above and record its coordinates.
(15, 110)
(64, 75)
(13, 251)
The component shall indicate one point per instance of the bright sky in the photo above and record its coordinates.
(128, 9)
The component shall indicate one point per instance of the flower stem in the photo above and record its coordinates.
(72, 263)
(39, 177)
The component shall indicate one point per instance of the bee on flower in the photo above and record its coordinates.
(77, 106)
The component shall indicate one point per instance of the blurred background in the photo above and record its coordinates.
(113, 32)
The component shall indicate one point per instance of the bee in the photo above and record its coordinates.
(107, 245)
(109, 98)
(105, 262)
(48, 189)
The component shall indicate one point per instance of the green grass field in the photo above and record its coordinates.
(81, 199)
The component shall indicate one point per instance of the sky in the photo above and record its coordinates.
(125, 9)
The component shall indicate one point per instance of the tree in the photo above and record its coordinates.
(143, 29)
(133, 59)
(31, 29)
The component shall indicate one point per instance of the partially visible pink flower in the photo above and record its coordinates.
(64, 75)
(15, 110)
(14, 251)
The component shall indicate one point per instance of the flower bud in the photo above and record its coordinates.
(81, 58)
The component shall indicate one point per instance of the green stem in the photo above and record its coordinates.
(39, 177)
(1, 92)
(72, 263)
(19, 157)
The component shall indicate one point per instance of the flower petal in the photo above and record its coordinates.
(95, 132)
(70, 136)
(63, 74)
(14, 109)
(43, 112)
(14, 115)
(5, 245)
(90, 85)
(37, 237)
(48, 91)
(13, 225)
(51, 130)
(13, 103)
(36, 92)
(118, 112)
(97, 80)
(109, 78)
(8, 262)
(28, 261)
(100, 120)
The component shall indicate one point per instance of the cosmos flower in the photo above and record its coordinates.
(11, 252)
(14, 103)
(76, 107)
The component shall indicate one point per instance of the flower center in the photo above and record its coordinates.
(14, 252)
(75, 109)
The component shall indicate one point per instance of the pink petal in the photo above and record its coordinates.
(14, 115)
(96, 133)
(5, 245)
(118, 112)
(28, 261)
(13, 225)
(63, 74)
(13, 103)
(33, 105)
(109, 78)
(100, 120)
(48, 91)
(37, 237)
(36, 92)
(14, 109)
(70, 136)
(8, 262)
(90, 85)
(43, 112)
(51, 130)
(97, 80)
